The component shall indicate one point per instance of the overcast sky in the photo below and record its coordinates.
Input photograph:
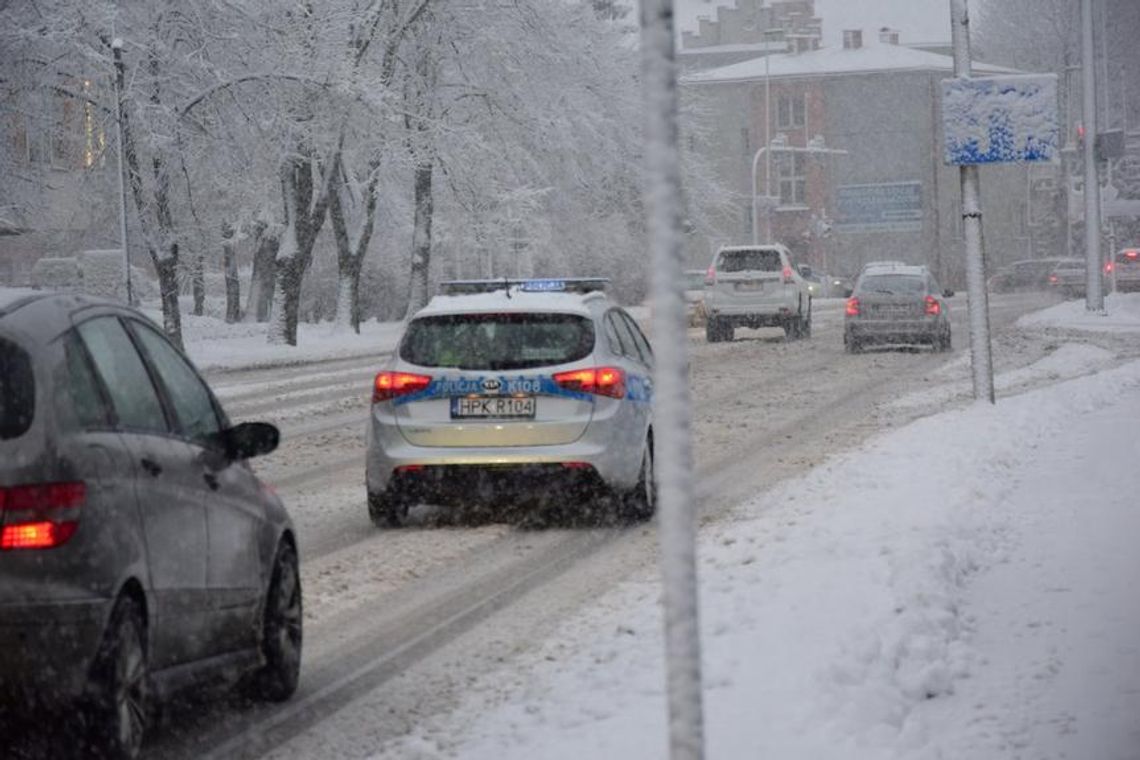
(918, 20)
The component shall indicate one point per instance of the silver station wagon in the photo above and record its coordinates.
(525, 391)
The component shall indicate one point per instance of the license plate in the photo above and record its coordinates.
(492, 407)
(753, 285)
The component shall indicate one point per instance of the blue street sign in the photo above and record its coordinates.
(1003, 119)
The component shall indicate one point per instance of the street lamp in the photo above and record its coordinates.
(815, 146)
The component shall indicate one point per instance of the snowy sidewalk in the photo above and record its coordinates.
(962, 588)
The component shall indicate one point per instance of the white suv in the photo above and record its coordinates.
(755, 286)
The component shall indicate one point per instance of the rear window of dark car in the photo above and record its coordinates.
(17, 390)
(749, 261)
(497, 341)
(893, 284)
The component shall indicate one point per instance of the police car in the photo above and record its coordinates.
(521, 391)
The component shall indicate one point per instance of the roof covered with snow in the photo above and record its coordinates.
(834, 61)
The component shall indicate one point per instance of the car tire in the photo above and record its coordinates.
(120, 705)
(727, 331)
(805, 325)
(852, 345)
(712, 330)
(281, 632)
(640, 503)
(387, 509)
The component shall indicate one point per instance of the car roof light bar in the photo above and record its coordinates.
(552, 285)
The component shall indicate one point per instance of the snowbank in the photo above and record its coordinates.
(1123, 315)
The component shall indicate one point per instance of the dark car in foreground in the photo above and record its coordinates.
(139, 554)
(897, 305)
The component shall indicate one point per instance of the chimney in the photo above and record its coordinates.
(888, 36)
(852, 39)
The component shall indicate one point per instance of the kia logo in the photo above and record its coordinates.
(491, 384)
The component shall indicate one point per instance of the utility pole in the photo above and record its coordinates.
(120, 83)
(672, 448)
(981, 355)
(1094, 292)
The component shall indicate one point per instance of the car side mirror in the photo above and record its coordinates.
(947, 293)
(249, 439)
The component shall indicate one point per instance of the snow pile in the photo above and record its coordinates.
(1122, 315)
(213, 344)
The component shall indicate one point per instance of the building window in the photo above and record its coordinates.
(792, 171)
(790, 111)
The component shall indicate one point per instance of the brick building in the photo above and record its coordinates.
(887, 196)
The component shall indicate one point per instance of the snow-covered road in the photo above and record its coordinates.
(399, 624)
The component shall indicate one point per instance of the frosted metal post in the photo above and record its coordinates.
(1094, 293)
(672, 411)
(767, 141)
(117, 53)
(981, 355)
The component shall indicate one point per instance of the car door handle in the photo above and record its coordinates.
(211, 480)
(152, 467)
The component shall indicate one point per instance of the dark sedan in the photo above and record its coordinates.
(897, 305)
(138, 552)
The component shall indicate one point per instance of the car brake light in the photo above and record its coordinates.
(1053, 279)
(933, 308)
(51, 514)
(788, 278)
(601, 381)
(710, 276)
(389, 385)
(1132, 254)
(852, 309)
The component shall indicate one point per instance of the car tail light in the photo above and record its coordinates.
(1108, 268)
(389, 385)
(601, 381)
(852, 309)
(788, 278)
(1054, 279)
(710, 276)
(933, 308)
(1132, 255)
(40, 516)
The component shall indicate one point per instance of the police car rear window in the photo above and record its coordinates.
(750, 261)
(17, 391)
(497, 341)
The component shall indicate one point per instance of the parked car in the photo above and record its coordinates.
(138, 551)
(516, 391)
(897, 305)
(695, 297)
(1069, 278)
(1125, 270)
(756, 286)
(1029, 274)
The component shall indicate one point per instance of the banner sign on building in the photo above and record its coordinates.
(997, 120)
(886, 207)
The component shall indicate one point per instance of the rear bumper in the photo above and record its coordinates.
(893, 331)
(46, 649)
(496, 483)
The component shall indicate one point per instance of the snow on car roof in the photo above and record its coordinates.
(514, 300)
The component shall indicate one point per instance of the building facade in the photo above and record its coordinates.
(853, 170)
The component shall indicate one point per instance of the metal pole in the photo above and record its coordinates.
(755, 223)
(981, 355)
(1094, 292)
(120, 78)
(672, 426)
(767, 141)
